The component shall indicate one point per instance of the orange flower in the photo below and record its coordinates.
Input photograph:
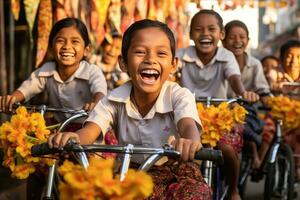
(17, 137)
(219, 120)
(98, 182)
(285, 109)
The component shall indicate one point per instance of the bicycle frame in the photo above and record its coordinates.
(76, 114)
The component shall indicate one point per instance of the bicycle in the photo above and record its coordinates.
(277, 167)
(212, 172)
(154, 155)
(75, 115)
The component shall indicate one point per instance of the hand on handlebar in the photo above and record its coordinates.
(186, 147)
(6, 103)
(60, 139)
(250, 96)
(88, 107)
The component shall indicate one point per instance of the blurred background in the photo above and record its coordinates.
(25, 25)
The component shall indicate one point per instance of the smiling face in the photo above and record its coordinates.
(69, 48)
(150, 61)
(269, 64)
(236, 41)
(206, 33)
(112, 51)
(291, 62)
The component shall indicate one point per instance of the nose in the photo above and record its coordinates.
(67, 44)
(150, 59)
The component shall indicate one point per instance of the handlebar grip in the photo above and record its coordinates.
(42, 149)
(210, 154)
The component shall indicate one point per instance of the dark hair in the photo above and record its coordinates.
(113, 36)
(269, 57)
(69, 22)
(208, 12)
(235, 23)
(286, 46)
(142, 24)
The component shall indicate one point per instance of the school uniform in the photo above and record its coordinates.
(73, 93)
(208, 80)
(153, 130)
(253, 77)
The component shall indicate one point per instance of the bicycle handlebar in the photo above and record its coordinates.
(43, 108)
(202, 154)
(209, 100)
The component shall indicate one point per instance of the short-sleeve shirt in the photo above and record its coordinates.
(153, 130)
(210, 79)
(72, 93)
(253, 77)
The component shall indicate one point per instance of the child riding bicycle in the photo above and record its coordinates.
(206, 70)
(69, 81)
(148, 109)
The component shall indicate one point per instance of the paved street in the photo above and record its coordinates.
(255, 191)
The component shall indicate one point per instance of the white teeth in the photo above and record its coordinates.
(149, 71)
(67, 54)
(205, 40)
(238, 46)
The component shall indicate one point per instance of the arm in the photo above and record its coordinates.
(238, 87)
(190, 140)
(90, 105)
(87, 135)
(6, 102)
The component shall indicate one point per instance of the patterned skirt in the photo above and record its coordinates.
(182, 181)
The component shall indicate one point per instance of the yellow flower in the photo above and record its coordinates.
(285, 109)
(17, 137)
(98, 182)
(219, 120)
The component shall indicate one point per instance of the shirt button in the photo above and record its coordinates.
(143, 123)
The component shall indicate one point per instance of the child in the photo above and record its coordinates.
(69, 81)
(272, 69)
(108, 61)
(290, 62)
(236, 40)
(205, 70)
(148, 109)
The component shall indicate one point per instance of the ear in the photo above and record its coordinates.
(87, 50)
(222, 34)
(122, 64)
(174, 65)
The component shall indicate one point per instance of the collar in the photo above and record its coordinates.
(163, 103)
(249, 60)
(49, 69)
(190, 55)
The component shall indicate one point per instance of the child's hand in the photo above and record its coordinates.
(250, 96)
(187, 148)
(89, 106)
(60, 139)
(6, 103)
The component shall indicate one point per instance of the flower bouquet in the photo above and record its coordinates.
(98, 182)
(219, 120)
(285, 109)
(17, 136)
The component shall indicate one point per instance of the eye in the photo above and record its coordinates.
(139, 52)
(59, 40)
(212, 29)
(76, 41)
(162, 53)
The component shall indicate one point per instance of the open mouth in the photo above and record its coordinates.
(149, 76)
(205, 42)
(67, 55)
(238, 47)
